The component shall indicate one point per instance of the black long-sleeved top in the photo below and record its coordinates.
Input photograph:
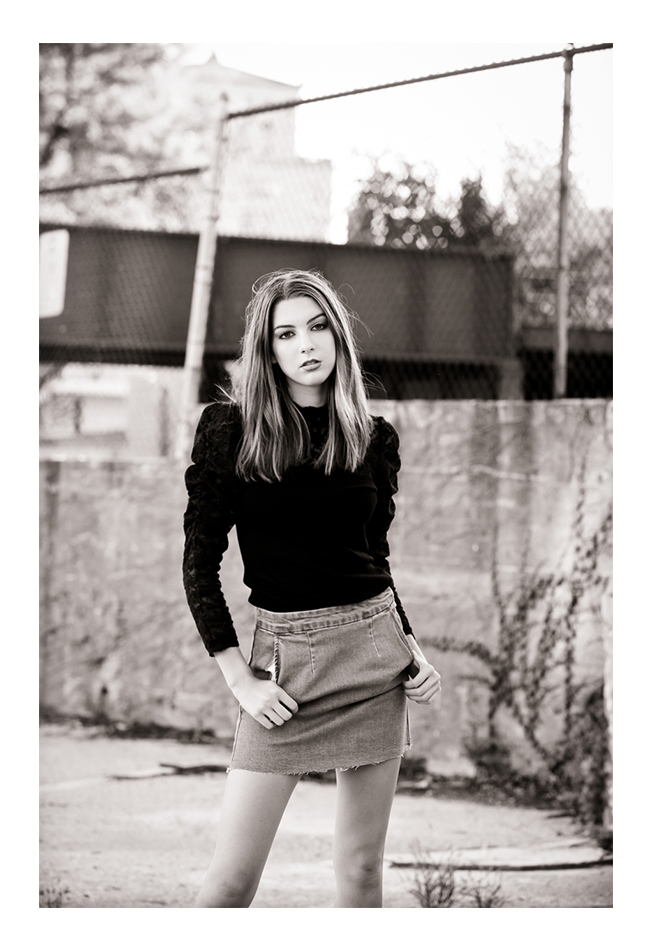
(311, 540)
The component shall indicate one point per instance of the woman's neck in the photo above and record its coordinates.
(305, 396)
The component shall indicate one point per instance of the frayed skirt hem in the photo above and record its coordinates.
(322, 770)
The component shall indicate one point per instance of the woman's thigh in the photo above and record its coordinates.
(252, 808)
(364, 803)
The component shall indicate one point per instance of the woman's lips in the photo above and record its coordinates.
(310, 364)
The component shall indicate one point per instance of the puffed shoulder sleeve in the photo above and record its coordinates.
(210, 515)
(386, 463)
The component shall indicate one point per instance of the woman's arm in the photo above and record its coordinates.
(424, 685)
(386, 463)
(209, 517)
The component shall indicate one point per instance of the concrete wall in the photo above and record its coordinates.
(110, 411)
(477, 477)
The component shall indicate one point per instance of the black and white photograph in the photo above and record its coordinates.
(325, 475)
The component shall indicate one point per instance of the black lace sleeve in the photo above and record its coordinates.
(386, 462)
(209, 517)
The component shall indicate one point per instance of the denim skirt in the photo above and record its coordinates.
(345, 667)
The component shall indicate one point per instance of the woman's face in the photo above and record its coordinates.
(304, 348)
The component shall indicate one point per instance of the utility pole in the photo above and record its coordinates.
(201, 290)
(563, 275)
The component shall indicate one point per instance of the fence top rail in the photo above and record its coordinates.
(276, 106)
(75, 186)
(272, 107)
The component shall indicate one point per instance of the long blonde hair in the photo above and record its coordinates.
(275, 435)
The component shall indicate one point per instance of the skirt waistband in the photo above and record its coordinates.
(299, 621)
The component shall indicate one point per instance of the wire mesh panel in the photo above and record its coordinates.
(403, 176)
(433, 207)
(533, 200)
(127, 298)
(168, 203)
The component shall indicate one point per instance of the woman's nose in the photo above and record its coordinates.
(306, 345)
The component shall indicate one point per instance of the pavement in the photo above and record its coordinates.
(131, 823)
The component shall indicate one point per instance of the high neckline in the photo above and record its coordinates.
(313, 410)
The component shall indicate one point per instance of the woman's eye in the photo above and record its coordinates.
(319, 326)
(285, 335)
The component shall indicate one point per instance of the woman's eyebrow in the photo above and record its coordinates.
(291, 326)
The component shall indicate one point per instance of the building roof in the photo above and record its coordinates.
(238, 76)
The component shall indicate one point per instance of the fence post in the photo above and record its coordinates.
(561, 336)
(201, 291)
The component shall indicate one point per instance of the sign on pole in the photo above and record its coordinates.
(53, 270)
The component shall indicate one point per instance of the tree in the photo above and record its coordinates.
(91, 96)
(476, 224)
(106, 112)
(531, 199)
(398, 207)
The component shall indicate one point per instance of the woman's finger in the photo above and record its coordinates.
(422, 700)
(274, 717)
(424, 693)
(432, 691)
(287, 701)
(283, 712)
(419, 689)
(264, 721)
(429, 696)
(425, 672)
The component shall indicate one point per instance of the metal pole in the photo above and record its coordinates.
(201, 291)
(561, 337)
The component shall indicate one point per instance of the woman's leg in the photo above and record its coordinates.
(252, 808)
(364, 801)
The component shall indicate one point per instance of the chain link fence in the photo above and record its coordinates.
(447, 252)
(168, 203)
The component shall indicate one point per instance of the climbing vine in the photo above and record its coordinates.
(534, 662)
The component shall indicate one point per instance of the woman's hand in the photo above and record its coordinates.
(267, 702)
(424, 685)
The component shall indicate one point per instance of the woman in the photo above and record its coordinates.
(298, 465)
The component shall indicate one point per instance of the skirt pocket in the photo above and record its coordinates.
(388, 628)
(264, 655)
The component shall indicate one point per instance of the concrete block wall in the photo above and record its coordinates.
(480, 480)
(483, 480)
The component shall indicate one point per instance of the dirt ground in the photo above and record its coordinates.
(145, 839)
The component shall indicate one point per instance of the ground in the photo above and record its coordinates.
(145, 839)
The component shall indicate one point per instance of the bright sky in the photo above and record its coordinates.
(460, 125)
